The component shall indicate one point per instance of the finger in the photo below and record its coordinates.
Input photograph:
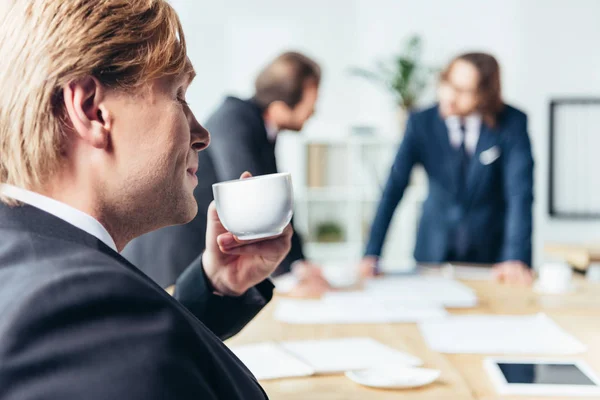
(520, 275)
(512, 274)
(306, 292)
(214, 227)
(316, 278)
(269, 249)
(527, 278)
(498, 273)
(303, 270)
(367, 271)
(228, 240)
(308, 289)
(245, 175)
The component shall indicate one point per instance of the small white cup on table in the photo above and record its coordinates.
(555, 278)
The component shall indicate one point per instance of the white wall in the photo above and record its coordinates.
(562, 53)
(546, 48)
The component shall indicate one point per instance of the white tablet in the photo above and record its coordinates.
(538, 377)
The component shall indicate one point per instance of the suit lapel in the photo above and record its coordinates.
(487, 139)
(22, 218)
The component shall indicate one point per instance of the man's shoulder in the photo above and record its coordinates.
(422, 121)
(425, 114)
(512, 124)
(53, 271)
(511, 113)
(234, 113)
(88, 318)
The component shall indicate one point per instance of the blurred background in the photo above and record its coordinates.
(547, 50)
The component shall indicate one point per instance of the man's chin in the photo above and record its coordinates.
(192, 211)
(185, 213)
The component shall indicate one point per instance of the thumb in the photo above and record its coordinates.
(245, 175)
(212, 215)
(214, 227)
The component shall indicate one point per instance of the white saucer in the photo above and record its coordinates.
(538, 288)
(394, 377)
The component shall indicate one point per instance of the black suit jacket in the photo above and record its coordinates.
(239, 143)
(80, 322)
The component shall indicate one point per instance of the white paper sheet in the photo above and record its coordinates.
(468, 272)
(497, 334)
(341, 355)
(351, 309)
(269, 360)
(428, 290)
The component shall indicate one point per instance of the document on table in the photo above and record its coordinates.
(468, 272)
(269, 360)
(352, 308)
(497, 334)
(429, 290)
(272, 360)
(341, 355)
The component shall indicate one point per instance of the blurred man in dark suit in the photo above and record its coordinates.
(98, 147)
(477, 155)
(244, 133)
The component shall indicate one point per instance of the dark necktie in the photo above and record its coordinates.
(461, 235)
(464, 159)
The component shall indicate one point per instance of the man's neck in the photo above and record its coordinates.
(63, 207)
(84, 199)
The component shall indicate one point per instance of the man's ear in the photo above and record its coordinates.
(280, 111)
(86, 109)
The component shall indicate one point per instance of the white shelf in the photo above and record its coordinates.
(356, 140)
(341, 194)
(351, 194)
(354, 166)
(316, 250)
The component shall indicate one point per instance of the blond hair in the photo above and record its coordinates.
(45, 44)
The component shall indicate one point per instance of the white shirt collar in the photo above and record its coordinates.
(271, 131)
(73, 216)
(472, 130)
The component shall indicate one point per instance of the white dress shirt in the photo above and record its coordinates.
(472, 127)
(272, 132)
(69, 214)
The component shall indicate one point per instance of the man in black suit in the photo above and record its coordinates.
(243, 135)
(99, 146)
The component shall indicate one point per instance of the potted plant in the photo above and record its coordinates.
(329, 232)
(405, 76)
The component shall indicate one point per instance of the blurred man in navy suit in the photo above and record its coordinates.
(476, 152)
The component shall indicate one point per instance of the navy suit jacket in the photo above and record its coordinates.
(238, 143)
(496, 207)
(80, 322)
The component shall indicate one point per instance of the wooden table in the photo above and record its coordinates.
(463, 376)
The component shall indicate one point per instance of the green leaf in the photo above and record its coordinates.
(404, 75)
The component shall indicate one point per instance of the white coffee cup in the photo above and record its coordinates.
(256, 207)
(341, 274)
(554, 277)
(593, 272)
